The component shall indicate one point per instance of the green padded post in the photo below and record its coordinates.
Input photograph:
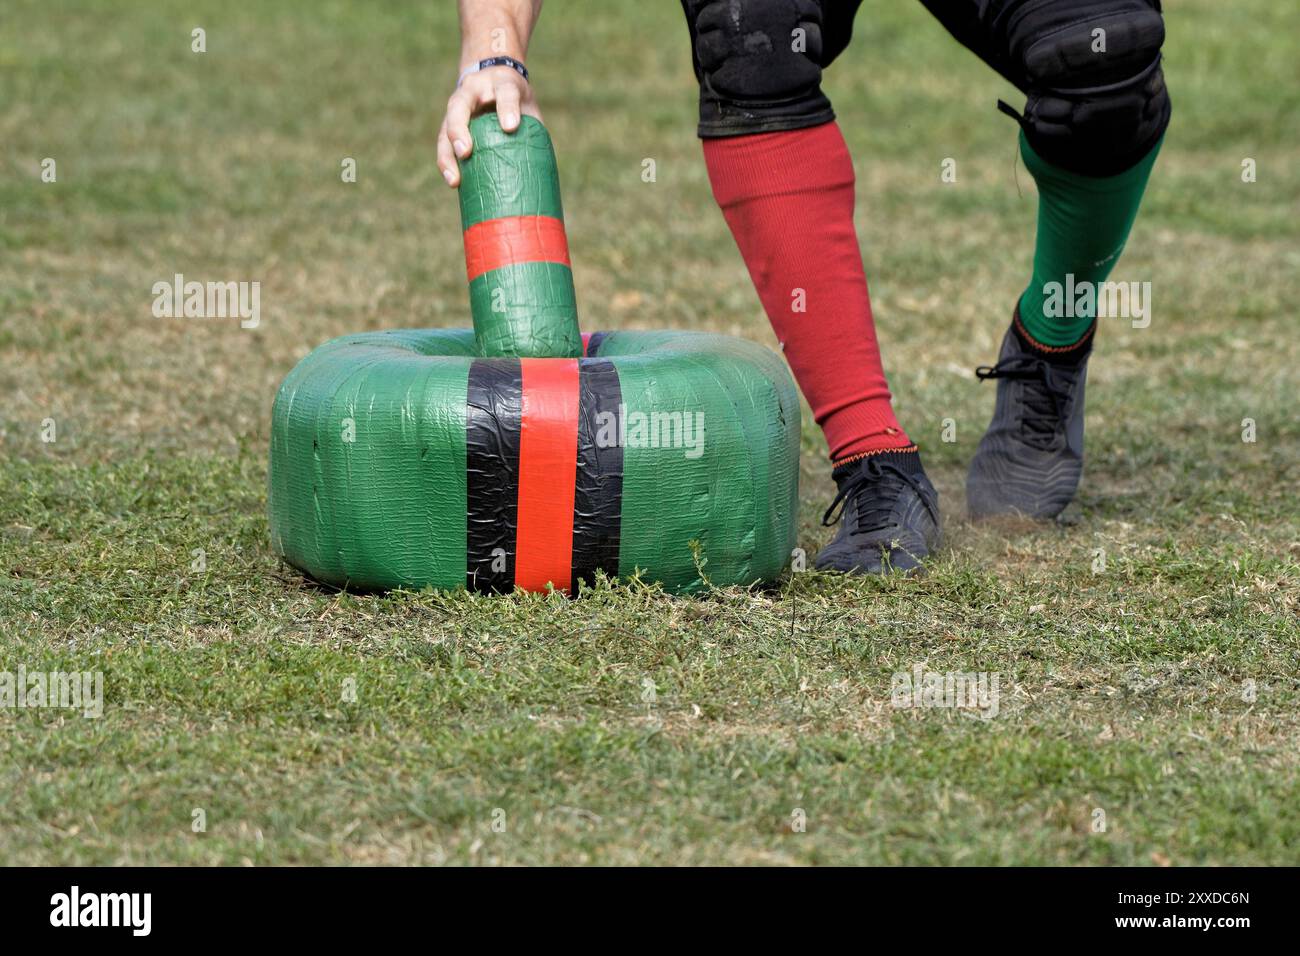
(520, 281)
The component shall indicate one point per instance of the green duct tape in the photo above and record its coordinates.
(389, 508)
(507, 175)
(531, 306)
(739, 497)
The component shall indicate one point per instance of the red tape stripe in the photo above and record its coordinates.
(496, 243)
(548, 451)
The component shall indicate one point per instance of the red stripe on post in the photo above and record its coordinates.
(548, 452)
(496, 243)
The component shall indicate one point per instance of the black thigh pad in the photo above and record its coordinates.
(759, 62)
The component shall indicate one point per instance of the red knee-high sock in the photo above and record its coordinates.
(788, 198)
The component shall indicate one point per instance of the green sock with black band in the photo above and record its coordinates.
(1083, 223)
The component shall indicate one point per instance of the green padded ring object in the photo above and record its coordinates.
(525, 455)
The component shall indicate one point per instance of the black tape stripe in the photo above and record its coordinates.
(598, 481)
(593, 343)
(494, 407)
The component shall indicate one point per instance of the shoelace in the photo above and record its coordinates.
(873, 514)
(1046, 396)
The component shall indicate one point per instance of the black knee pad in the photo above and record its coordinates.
(759, 62)
(1097, 101)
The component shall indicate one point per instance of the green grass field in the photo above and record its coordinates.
(1162, 689)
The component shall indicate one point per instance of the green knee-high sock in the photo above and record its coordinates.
(1083, 223)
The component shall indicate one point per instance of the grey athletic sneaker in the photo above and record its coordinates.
(1031, 458)
(889, 516)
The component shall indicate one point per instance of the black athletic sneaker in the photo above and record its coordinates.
(889, 513)
(1031, 458)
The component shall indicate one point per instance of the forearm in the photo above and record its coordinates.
(496, 28)
(488, 28)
